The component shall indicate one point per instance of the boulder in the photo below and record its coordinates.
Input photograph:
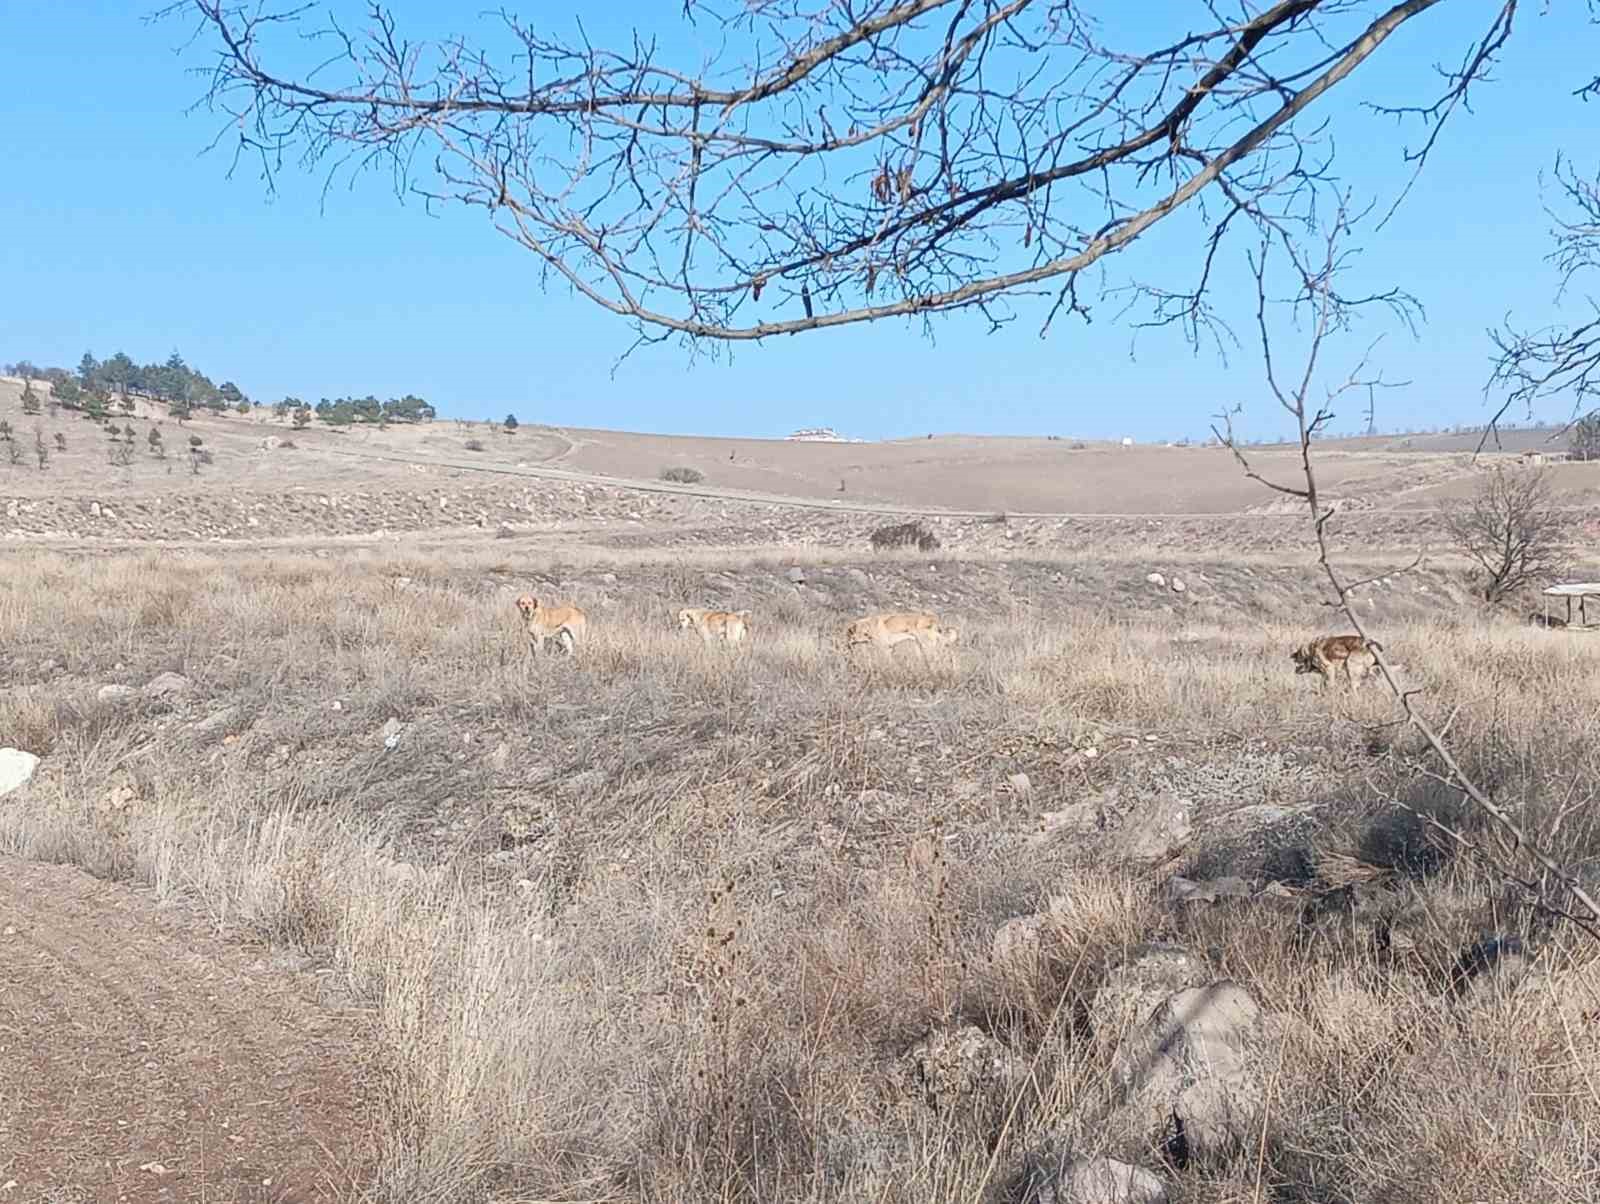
(1194, 1075)
(116, 695)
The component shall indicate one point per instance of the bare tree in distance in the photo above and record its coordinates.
(1584, 441)
(800, 165)
(1510, 529)
(1331, 313)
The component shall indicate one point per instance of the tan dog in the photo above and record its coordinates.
(564, 624)
(1329, 653)
(887, 630)
(726, 626)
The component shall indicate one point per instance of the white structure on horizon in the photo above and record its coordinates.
(820, 434)
(1126, 441)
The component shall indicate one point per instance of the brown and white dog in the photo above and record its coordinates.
(716, 626)
(564, 624)
(1327, 654)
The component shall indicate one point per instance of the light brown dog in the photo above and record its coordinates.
(1329, 653)
(564, 624)
(714, 626)
(887, 630)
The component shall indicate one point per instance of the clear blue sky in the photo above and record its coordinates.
(119, 234)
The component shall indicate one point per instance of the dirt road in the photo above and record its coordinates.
(142, 1058)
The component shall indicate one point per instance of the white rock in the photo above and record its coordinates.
(1178, 586)
(16, 767)
(1020, 783)
(115, 695)
(1156, 579)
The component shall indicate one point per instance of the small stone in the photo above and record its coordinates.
(167, 686)
(797, 576)
(116, 695)
(1156, 579)
(16, 768)
(951, 1066)
(1178, 587)
(1095, 1181)
(217, 721)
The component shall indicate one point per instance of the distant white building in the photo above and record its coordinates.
(1127, 442)
(820, 434)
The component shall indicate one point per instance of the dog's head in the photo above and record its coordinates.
(1304, 660)
(527, 604)
(685, 618)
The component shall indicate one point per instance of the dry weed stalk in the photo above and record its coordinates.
(1330, 312)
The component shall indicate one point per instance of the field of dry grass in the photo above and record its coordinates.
(662, 923)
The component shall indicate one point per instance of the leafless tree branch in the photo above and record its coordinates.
(852, 162)
(1531, 365)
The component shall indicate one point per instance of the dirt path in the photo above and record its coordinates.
(142, 1058)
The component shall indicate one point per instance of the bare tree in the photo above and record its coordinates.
(1510, 528)
(1584, 442)
(801, 165)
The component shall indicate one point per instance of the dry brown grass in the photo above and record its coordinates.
(657, 922)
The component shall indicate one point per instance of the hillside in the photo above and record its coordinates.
(968, 474)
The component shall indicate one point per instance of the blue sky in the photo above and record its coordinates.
(120, 234)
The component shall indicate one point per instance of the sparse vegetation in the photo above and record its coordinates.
(474, 445)
(683, 475)
(905, 535)
(1584, 441)
(701, 980)
(1510, 529)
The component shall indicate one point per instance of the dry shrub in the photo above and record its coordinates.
(904, 535)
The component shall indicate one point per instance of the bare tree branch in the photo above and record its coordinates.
(1329, 313)
(828, 164)
(1563, 360)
